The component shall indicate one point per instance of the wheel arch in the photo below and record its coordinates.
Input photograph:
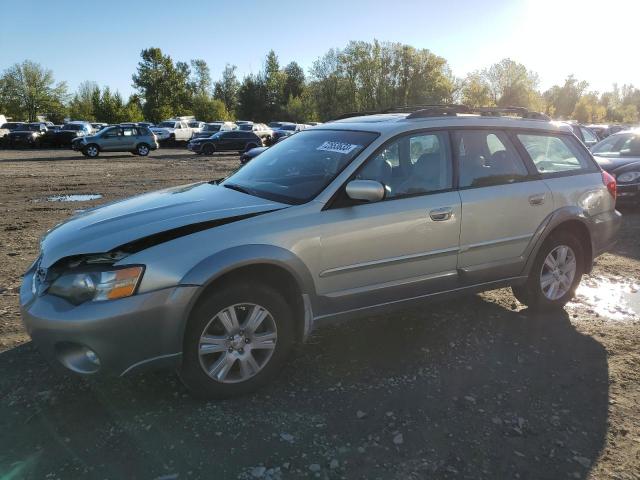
(272, 265)
(566, 219)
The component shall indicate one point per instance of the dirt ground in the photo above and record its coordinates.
(477, 388)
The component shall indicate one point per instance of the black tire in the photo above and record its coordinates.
(143, 150)
(208, 149)
(192, 373)
(531, 293)
(92, 150)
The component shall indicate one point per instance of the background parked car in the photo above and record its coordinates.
(287, 130)
(173, 131)
(6, 128)
(249, 155)
(230, 141)
(260, 129)
(215, 127)
(118, 138)
(64, 135)
(619, 154)
(588, 136)
(98, 126)
(27, 135)
(195, 126)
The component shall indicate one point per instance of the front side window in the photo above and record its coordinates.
(297, 170)
(411, 165)
(112, 132)
(487, 158)
(553, 154)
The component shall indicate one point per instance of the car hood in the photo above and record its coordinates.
(102, 229)
(612, 163)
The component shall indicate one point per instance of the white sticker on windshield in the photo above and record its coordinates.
(338, 147)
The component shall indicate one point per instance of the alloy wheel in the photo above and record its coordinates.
(558, 272)
(237, 343)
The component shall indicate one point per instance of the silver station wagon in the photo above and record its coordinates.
(353, 217)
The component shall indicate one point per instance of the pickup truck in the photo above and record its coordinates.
(173, 130)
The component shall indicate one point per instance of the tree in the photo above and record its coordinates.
(226, 89)
(81, 106)
(162, 85)
(294, 83)
(511, 84)
(274, 80)
(252, 99)
(476, 91)
(201, 81)
(563, 99)
(209, 109)
(29, 90)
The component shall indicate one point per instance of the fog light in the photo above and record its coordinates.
(77, 358)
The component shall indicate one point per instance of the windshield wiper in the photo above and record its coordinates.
(237, 188)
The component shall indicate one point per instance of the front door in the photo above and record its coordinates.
(503, 204)
(402, 247)
(111, 139)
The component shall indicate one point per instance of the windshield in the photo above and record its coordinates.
(167, 124)
(10, 125)
(622, 144)
(297, 170)
(72, 126)
(211, 128)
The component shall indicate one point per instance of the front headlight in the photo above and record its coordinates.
(86, 286)
(627, 177)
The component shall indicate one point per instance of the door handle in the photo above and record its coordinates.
(441, 214)
(537, 199)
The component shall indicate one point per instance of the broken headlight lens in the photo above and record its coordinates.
(80, 287)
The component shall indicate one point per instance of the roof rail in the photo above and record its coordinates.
(451, 110)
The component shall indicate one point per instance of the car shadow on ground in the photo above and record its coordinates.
(464, 390)
(171, 153)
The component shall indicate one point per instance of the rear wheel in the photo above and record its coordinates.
(555, 274)
(91, 151)
(142, 149)
(236, 341)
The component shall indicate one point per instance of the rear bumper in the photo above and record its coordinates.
(603, 229)
(125, 335)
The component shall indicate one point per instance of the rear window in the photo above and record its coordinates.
(555, 154)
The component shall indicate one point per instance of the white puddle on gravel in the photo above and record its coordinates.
(613, 298)
(74, 198)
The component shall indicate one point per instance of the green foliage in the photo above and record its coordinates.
(363, 76)
(28, 90)
(226, 89)
(163, 85)
(209, 109)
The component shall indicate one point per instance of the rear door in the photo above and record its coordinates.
(129, 138)
(503, 204)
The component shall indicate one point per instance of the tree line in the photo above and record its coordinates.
(362, 76)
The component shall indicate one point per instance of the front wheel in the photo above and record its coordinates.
(208, 149)
(237, 340)
(91, 151)
(555, 274)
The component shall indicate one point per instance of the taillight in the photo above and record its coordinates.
(610, 182)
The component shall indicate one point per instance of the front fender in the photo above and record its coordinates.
(224, 261)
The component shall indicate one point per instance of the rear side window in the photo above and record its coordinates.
(555, 154)
(487, 158)
(411, 165)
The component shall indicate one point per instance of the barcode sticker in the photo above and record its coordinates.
(337, 147)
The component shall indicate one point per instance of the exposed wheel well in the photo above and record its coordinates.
(273, 276)
(581, 232)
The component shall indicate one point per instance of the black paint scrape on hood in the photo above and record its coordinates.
(163, 237)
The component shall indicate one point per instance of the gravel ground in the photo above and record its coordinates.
(479, 388)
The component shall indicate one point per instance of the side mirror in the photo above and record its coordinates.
(365, 190)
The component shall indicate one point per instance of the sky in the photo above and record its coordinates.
(595, 40)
